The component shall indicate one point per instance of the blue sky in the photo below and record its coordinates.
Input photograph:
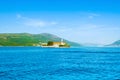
(83, 21)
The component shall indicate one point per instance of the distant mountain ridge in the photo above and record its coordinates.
(26, 39)
(116, 43)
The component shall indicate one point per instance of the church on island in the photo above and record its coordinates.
(55, 44)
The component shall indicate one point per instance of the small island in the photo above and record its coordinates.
(55, 44)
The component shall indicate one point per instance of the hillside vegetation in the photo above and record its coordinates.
(26, 39)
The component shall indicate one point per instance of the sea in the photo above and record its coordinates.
(36, 63)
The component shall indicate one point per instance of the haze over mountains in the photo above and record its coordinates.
(115, 44)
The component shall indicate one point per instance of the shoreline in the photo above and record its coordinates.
(67, 47)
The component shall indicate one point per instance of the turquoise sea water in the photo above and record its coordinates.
(35, 63)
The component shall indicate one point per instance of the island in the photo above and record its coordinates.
(55, 44)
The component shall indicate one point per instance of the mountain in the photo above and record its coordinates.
(26, 39)
(116, 44)
(92, 45)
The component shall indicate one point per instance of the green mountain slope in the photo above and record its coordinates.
(26, 39)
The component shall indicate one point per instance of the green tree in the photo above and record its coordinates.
(50, 43)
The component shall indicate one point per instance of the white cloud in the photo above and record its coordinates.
(92, 15)
(18, 16)
(54, 23)
(89, 26)
(65, 29)
(34, 22)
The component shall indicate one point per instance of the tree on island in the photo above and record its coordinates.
(50, 43)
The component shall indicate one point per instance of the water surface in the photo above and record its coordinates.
(35, 63)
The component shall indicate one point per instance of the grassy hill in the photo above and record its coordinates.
(26, 39)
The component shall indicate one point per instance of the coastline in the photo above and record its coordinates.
(66, 47)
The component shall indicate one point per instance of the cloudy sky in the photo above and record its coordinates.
(83, 21)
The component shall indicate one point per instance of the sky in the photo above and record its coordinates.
(82, 21)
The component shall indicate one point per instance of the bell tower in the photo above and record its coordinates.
(62, 43)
